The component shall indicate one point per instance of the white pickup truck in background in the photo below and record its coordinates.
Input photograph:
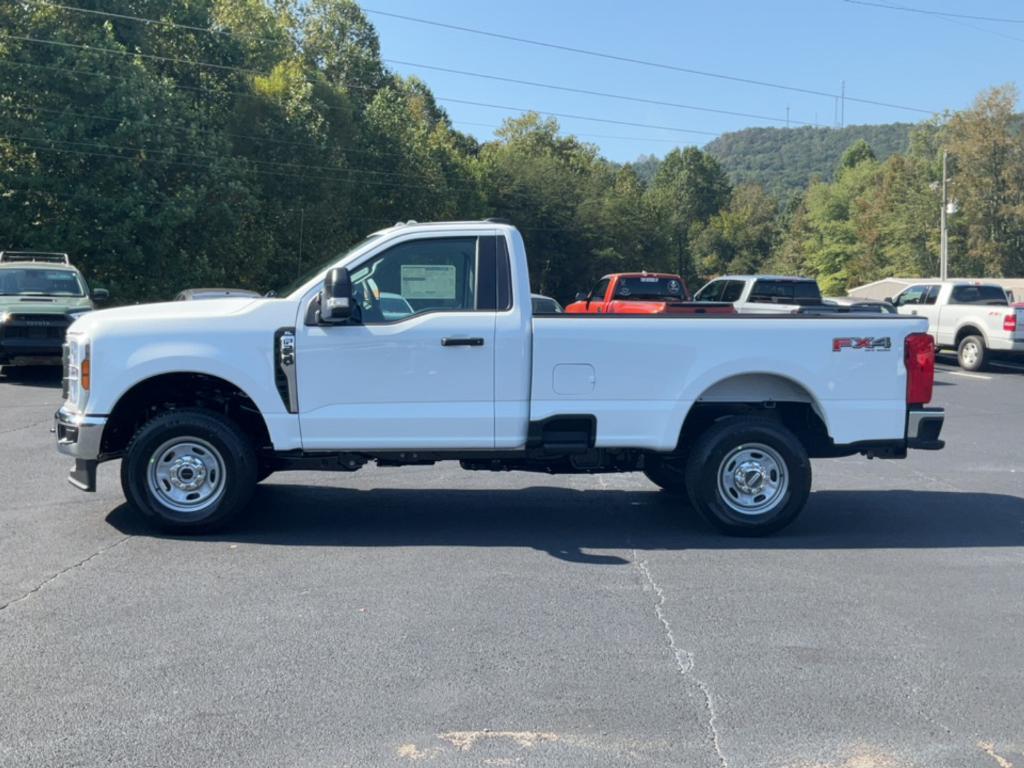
(974, 318)
(763, 294)
(200, 400)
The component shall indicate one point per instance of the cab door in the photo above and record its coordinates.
(414, 368)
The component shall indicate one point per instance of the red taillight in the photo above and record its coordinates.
(920, 360)
(1010, 322)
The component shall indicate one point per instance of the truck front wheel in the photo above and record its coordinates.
(190, 470)
(748, 476)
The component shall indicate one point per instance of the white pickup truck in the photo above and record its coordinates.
(201, 400)
(763, 294)
(974, 318)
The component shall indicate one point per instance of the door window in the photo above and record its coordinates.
(915, 294)
(733, 290)
(600, 290)
(712, 291)
(932, 295)
(418, 276)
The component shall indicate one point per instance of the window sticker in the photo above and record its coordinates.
(428, 281)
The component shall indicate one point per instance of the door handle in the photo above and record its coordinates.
(474, 341)
(913, 311)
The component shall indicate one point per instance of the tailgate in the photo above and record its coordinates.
(1018, 332)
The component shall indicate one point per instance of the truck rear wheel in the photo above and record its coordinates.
(748, 476)
(190, 471)
(972, 354)
(668, 474)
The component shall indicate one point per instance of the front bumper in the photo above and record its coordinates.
(924, 425)
(80, 436)
(31, 351)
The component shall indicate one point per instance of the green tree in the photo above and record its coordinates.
(741, 237)
(689, 188)
(987, 148)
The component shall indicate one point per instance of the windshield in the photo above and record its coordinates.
(35, 281)
(293, 286)
(649, 287)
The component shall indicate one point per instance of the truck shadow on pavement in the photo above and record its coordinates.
(570, 524)
(46, 377)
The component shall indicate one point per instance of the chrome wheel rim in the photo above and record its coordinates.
(186, 475)
(970, 353)
(752, 479)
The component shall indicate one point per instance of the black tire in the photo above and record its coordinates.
(743, 439)
(229, 478)
(667, 473)
(971, 353)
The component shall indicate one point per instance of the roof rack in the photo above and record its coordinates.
(47, 257)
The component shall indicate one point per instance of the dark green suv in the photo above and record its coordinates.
(41, 294)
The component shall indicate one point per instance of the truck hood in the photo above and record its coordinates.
(166, 316)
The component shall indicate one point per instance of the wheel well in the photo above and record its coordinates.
(798, 417)
(968, 330)
(181, 390)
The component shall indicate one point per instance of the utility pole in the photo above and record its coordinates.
(842, 108)
(787, 116)
(944, 237)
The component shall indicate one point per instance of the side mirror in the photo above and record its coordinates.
(336, 297)
(100, 294)
(889, 301)
(580, 296)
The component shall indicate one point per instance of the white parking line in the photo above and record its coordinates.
(969, 375)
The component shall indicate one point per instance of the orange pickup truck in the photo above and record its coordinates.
(644, 293)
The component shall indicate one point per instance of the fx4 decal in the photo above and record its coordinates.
(869, 343)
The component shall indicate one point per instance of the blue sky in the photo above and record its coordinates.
(910, 59)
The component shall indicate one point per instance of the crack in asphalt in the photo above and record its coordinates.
(27, 426)
(684, 658)
(61, 572)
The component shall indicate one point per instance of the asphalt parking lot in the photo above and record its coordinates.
(423, 617)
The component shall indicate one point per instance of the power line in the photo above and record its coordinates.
(550, 86)
(159, 22)
(588, 92)
(228, 67)
(344, 150)
(307, 177)
(221, 156)
(930, 12)
(581, 117)
(958, 21)
(641, 62)
(152, 56)
(574, 134)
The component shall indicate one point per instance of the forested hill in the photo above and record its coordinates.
(783, 160)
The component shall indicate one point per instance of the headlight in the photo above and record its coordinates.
(77, 373)
(4, 317)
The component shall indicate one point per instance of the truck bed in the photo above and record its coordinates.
(641, 386)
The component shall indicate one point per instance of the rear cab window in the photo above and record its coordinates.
(992, 295)
(783, 291)
(649, 287)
